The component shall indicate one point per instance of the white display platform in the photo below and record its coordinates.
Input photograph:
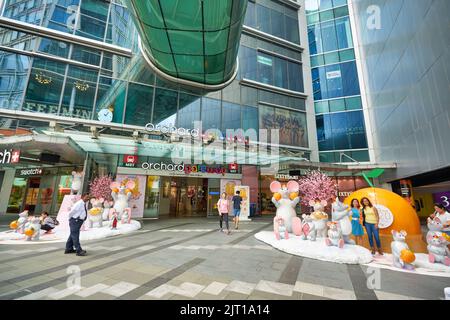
(349, 254)
(422, 266)
(60, 234)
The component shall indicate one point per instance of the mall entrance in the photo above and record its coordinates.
(181, 197)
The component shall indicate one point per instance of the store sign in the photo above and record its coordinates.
(130, 161)
(187, 169)
(264, 60)
(31, 172)
(77, 112)
(286, 177)
(233, 168)
(150, 127)
(334, 74)
(9, 156)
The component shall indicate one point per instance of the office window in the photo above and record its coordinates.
(139, 104)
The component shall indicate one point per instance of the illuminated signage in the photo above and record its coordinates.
(31, 172)
(9, 156)
(286, 177)
(150, 127)
(130, 160)
(187, 169)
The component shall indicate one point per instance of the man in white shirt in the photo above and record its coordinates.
(77, 216)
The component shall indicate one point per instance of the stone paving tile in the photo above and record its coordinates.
(309, 288)
(86, 292)
(38, 295)
(161, 291)
(215, 288)
(338, 294)
(242, 287)
(188, 289)
(60, 294)
(236, 296)
(120, 288)
(275, 288)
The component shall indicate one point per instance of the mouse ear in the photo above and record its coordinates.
(293, 186)
(312, 203)
(131, 185)
(114, 185)
(275, 186)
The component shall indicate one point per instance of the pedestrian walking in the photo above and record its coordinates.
(237, 200)
(223, 207)
(77, 216)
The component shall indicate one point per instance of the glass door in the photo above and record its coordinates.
(31, 199)
(151, 208)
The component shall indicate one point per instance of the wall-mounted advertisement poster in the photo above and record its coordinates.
(137, 200)
(291, 125)
(228, 186)
(245, 204)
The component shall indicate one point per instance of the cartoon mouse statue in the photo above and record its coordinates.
(121, 193)
(76, 182)
(402, 256)
(340, 213)
(285, 199)
(320, 218)
(280, 229)
(95, 213)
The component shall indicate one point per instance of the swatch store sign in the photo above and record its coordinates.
(9, 156)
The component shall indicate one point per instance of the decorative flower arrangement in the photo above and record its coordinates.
(316, 185)
(99, 188)
(95, 211)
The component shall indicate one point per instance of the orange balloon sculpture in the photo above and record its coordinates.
(407, 256)
(277, 196)
(403, 214)
(29, 232)
(14, 224)
(293, 195)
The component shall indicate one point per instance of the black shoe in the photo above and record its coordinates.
(81, 253)
(69, 251)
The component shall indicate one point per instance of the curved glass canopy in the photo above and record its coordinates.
(193, 40)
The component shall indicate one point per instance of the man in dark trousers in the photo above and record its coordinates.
(77, 216)
(237, 199)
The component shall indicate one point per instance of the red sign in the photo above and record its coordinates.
(130, 160)
(233, 167)
(9, 156)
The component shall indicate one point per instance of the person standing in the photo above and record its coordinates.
(223, 207)
(77, 216)
(371, 220)
(237, 200)
(356, 216)
(443, 215)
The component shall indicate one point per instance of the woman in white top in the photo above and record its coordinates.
(443, 215)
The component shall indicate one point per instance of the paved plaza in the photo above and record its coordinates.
(191, 259)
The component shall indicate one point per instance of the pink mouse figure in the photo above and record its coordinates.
(121, 193)
(285, 206)
(280, 229)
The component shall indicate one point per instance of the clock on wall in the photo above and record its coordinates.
(105, 115)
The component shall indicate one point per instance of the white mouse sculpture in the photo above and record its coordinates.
(121, 193)
(320, 218)
(95, 213)
(33, 229)
(340, 213)
(401, 254)
(285, 200)
(76, 182)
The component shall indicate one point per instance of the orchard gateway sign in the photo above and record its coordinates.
(150, 127)
(187, 169)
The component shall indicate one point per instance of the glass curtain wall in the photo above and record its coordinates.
(337, 95)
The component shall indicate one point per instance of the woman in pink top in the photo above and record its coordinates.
(223, 207)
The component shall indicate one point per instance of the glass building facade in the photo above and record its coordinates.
(81, 61)
(337, 95)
